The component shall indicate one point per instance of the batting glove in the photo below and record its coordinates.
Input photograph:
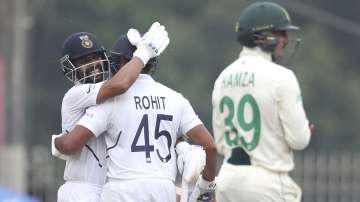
(56, 152)
(190, 161)
(203, 191)
(151, 44)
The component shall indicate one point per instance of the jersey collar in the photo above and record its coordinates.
(256, 51)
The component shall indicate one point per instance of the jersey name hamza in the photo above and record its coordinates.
(239, 79)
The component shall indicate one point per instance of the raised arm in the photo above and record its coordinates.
(152, 44)
(121, 81)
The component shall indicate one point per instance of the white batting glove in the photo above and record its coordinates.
(203, 190)
(56, 152)
(151, 44)
(190, 161)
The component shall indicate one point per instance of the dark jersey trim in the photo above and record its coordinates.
(116, 143)
(93, 153)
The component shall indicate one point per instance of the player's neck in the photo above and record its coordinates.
(256, 51)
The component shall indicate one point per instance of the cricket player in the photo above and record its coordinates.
(258, 115)
(142, 126)
(85, 63)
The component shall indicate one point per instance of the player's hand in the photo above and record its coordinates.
(151, 44)
(203, 190)
(56, 152)
(190, 161)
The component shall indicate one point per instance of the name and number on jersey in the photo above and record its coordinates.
(156, 103)
(235, 113)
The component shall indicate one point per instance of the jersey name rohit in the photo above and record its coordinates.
(149, 102)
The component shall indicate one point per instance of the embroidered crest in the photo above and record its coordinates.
(86, 42)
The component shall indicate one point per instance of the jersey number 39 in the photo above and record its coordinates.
(232, 137)
(147, 148)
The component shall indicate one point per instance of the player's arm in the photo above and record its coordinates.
(205, 185)
(93, 123)
(121, 81)
(192, 127)
(292, 114)
(152, 44)
(74, 141)
(200, 135)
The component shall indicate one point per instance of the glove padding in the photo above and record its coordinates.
(56, 152)
(151, 44)
(203, 190)
(190, 161)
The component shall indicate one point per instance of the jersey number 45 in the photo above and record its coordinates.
(147, 148)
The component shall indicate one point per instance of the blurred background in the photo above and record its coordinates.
(202, 44)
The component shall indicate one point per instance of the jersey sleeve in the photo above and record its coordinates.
(82, 96)
(292, 114)
(97, 118)
(188, 119)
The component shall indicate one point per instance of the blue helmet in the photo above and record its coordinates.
(122, 52)
(84, 59)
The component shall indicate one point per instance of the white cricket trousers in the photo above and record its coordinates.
(255, 184)
(139, 190)
(76, 191)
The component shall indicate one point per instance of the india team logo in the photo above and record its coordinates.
(86, 42)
